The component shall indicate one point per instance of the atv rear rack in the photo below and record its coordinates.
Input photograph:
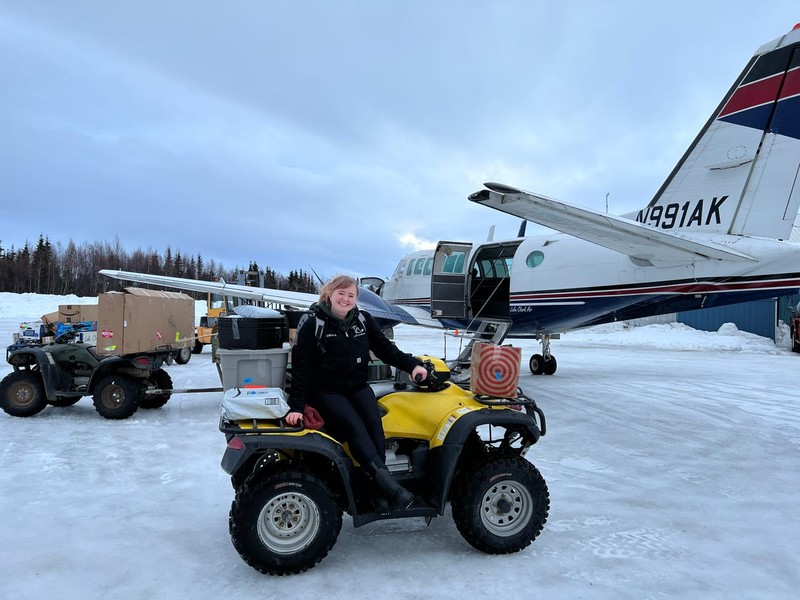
(521, 400)
(277, 426)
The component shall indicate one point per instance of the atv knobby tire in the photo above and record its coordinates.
(159, 380)
(502, 505)
(117, 396)
(22, 394)
(284, 523)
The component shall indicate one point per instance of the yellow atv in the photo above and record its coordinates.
(443, 443)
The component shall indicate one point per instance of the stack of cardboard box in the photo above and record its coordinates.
(134, 320)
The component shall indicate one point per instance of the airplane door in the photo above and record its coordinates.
(449, 280)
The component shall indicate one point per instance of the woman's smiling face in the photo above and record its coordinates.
(343, 300)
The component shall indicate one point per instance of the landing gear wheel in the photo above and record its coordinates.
(22, 394)
(285, 523)
(117, 397)
(159, 380)
(63, 401)
(198, 347)
(183, 356)
(550, 365)
(502, 506)
(536, 364)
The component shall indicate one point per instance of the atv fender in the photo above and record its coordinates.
(51, 373)
(106, 366)
(307, 441)
(111, 364)
(444, 459)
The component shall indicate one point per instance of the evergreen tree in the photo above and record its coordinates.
(55, 269)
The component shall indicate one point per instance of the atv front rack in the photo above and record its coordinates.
(521, 400)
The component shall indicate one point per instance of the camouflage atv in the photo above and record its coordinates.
(64, 371)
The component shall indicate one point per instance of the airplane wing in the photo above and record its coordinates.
(384, 313)
(617, 233)
(257, 294)
(420, 316)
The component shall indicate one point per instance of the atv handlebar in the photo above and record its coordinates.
(430, 378)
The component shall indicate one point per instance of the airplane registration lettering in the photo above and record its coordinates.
(687, 214)
(669, 216)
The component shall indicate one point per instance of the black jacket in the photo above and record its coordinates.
(339, 362)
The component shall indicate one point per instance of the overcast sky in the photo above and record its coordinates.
(335, 134)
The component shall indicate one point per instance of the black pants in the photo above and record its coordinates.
(354, 418)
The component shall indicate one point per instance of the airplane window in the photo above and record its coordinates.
(534, 259)
(418, 268)
(410, 267)
(400, 268)
(449, 263)
(428, 266)
(459, 268)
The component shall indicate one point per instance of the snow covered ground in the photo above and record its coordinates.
(672, 457)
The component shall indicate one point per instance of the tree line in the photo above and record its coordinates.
(48, 268)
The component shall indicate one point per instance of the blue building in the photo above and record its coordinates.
(760, 316)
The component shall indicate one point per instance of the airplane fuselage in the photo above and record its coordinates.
(561, 294)
(558, 282)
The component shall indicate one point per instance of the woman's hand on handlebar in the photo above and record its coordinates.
(419, 373)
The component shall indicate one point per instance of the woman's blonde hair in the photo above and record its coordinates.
(337, 283)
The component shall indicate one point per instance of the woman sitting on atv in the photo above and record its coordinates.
(330, 369)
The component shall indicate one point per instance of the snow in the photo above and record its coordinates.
(672, 458)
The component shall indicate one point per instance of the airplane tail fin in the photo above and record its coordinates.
(740, 175)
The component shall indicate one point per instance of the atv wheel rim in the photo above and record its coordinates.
(22, 395)
(506, 508)
(113, 397)
(288, 523)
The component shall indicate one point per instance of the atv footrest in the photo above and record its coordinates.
(413, 511)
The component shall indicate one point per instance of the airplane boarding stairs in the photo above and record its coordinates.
(492, 331)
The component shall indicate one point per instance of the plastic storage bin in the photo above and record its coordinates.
(243, 368)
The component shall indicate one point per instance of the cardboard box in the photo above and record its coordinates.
(61, 326)
(494, 370)
(77, 313)
(50, 319)
(88, 334)
(32, 331)
(139, 320)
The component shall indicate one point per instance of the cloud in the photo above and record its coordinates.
(321, 133)
(409, 240)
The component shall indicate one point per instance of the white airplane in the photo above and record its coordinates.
(714, 234)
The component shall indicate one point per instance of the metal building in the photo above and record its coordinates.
(760, 317)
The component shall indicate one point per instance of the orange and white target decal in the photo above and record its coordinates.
(495, 370)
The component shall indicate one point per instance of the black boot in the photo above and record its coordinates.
(399, 496)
